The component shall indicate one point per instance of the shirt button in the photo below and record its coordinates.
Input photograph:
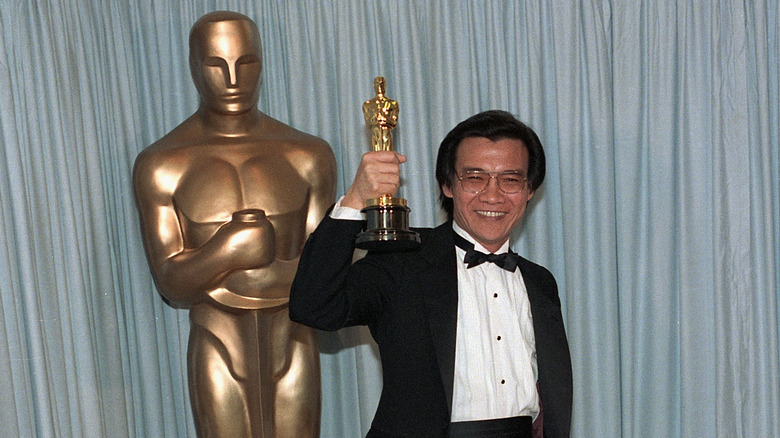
(498, 338)
(495, 295)
(503, 381)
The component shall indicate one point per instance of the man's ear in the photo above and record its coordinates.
(445, 188)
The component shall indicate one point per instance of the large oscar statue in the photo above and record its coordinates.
(226, 201)
(387, 217)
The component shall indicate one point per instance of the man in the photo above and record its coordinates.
(226, 201)
(465, 346)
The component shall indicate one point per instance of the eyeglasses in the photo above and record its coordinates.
(475, 181)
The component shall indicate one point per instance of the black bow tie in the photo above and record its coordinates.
(507, 260)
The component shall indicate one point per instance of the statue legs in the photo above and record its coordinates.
(253, 374)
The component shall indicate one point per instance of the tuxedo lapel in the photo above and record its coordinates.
(552, 349)
(440, 294)
(539, 299)
(539, 312)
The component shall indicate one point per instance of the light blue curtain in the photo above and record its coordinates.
(660, 214)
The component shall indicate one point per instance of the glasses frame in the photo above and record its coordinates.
(492, 175)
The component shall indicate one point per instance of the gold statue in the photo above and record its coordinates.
(381, 114)
(226, 201)
(387, 217)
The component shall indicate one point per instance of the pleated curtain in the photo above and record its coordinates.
(659, 216)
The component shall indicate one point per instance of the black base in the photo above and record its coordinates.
(387, 227)
(387, 240)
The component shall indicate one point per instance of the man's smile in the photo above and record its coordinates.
(490, 213)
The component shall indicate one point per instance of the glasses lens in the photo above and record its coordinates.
(511, 183)
(474, 182)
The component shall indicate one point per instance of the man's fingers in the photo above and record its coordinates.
(379, 174)
(384, 156)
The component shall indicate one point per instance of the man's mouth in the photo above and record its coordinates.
(491, 213)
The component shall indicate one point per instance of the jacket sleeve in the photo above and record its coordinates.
(329, 291)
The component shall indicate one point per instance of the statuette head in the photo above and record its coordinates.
(226, 61)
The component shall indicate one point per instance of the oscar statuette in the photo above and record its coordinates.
(387, 217)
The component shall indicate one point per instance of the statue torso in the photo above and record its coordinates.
(213, 177)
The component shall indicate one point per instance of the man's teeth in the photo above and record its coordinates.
(491, 213)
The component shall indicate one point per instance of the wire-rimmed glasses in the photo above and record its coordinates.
(475, 181)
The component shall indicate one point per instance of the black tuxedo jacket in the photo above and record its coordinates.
(409, 301)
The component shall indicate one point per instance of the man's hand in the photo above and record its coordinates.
(379, 174)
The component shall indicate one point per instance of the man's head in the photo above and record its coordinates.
(497, 143)
(226, 61)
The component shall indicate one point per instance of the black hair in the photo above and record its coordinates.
(494, 125)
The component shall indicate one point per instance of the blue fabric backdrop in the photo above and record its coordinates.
(660, 215)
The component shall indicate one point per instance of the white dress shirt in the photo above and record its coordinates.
(495, 352)
(346, 213)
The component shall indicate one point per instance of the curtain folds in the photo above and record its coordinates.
(659, 217)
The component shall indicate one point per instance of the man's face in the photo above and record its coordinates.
(226, 66)
(490, 215)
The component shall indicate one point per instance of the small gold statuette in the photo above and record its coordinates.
(387, 217)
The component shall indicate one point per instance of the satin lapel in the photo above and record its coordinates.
(540, 310)
(534, 292)
(440, 280)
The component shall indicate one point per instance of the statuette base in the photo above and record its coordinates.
(387, 226)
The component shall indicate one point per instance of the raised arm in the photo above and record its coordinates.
(329, 292)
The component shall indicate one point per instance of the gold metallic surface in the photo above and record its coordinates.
(386, 200)
(387, 217)
(226, 201)
(381, 114)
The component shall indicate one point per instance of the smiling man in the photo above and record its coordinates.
(471, 336)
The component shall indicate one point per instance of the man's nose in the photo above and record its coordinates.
(491, 193)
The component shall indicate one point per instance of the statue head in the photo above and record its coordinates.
(226, 61)
(379, 85)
